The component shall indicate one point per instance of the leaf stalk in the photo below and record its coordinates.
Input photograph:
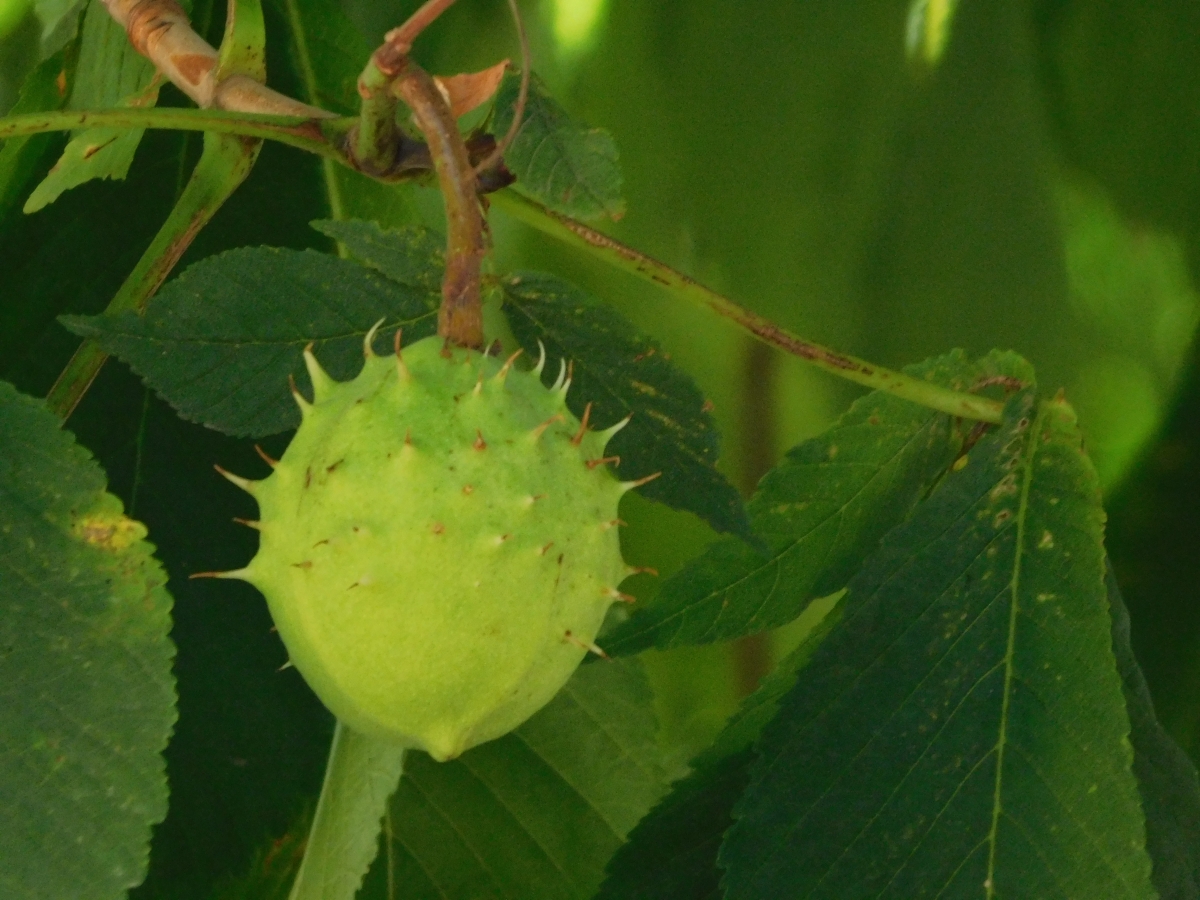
(680, 286)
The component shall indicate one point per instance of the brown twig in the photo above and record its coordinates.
(160, 31)
(460, 318)
(390, 70)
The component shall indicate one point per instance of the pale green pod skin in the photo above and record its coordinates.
(435, 555)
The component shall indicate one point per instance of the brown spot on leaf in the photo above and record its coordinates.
(112, 533)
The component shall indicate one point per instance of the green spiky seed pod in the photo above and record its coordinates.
(437, 545)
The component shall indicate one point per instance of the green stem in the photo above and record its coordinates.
(319, 136)
(361, 775)
(224, 164)
(576, 234)
(376, 139)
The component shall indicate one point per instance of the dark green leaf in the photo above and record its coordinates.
(621, 372)
(87, 699)
(413, 256)
(537, 814)
(110, 73)
(820, 512)
(564, 164)
(1167, 779)
(325, 54)
(20, 155)
(672, 854)
(271, 871)
(220, 341)
(962, 732)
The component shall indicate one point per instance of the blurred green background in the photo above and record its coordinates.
(888, 177)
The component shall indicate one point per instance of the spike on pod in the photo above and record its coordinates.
(369, 339)
(566, 385)
(541, 363)
(640, 570)
(269, 460)
(572, 638)
(618, 596)
(583, 425)
(539, 430)
(593, 463)
(504, 369)
(320, 379)
(304, 405)
(627, 486)
(249, 523)
(401, 368)
(244, 483)
(242, 574)
(478, 389)
(607, 434)
(562, 376)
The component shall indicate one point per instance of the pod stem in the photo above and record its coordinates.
(362, 774)
(391, 73)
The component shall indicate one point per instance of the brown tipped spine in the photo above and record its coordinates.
(583, 425)
(269, 460)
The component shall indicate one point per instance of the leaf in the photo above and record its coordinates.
(60, 22)
(272, 870)
(110, 73)
(564, 164)
(361, 776)
(87, 699)
(220, 341)
(470, 90)
(620, 372)
(325, 52)
(820, 512)
(1166, 777)
(412, 255)
(19, 156)
(536, 814)
(962, 732)
(672, 854)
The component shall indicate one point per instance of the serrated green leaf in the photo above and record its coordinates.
(672, 853)
(566, 165)
(359, 781)
(1167, 779)
(413, 256)
(962, 732)
(820, 512)
(537, 814)
(621, 372)
(87, 699)
(110, 73)
(220, 341)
